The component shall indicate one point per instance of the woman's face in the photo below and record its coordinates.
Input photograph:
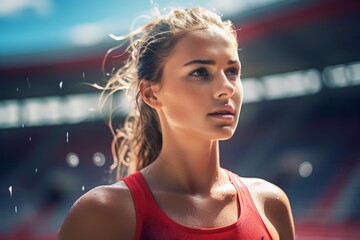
(200, 90)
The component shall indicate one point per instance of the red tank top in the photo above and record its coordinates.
(152, 223)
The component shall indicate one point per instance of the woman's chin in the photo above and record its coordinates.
(225, 134)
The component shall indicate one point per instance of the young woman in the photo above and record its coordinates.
(185, 71)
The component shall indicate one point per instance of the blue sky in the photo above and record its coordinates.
(30, 26)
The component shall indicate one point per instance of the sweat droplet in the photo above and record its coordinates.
(60, 84)
(67, 137)
(10, 190)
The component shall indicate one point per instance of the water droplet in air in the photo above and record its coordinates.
(22, 125)
(72, 159)
(83, 188)
(27, 79)
(305, 169)
(61, 84)
(67, 137)
(157, 12)
(29, 139)
(83, 75)
(17, 89)
(15, 209)
(10, 190)
(99, 159)
(36, 170)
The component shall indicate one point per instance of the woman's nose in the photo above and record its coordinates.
(224, 88)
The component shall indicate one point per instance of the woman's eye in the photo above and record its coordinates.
(201, 72)
(232, 72)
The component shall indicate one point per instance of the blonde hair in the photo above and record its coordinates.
(138, 142)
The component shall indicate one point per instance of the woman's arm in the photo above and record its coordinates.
(278, 211)
(274, 207)
(106, 213)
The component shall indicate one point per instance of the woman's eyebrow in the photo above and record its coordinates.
(201, 61)
(208, 62)
(231, 62)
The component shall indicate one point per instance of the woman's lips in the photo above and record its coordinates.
(222, 115)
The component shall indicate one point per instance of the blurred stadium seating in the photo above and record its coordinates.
(307, 142)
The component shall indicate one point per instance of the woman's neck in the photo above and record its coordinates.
(189, 165)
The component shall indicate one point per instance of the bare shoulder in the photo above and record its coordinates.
(105, 212)
(264, 189)
(273, 204)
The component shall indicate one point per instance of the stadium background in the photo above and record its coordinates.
(299, 125)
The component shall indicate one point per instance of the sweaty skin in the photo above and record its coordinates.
(198, 102)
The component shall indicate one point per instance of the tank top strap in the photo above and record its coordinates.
(249, 207)
(141, 196)
(242, 189)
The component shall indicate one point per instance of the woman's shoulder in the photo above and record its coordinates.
(261, 188)
(264, 188)
(105, 212)
(273, 205)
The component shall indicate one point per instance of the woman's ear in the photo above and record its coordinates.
(148, 92)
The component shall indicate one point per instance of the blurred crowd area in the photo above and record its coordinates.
(299, 126)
